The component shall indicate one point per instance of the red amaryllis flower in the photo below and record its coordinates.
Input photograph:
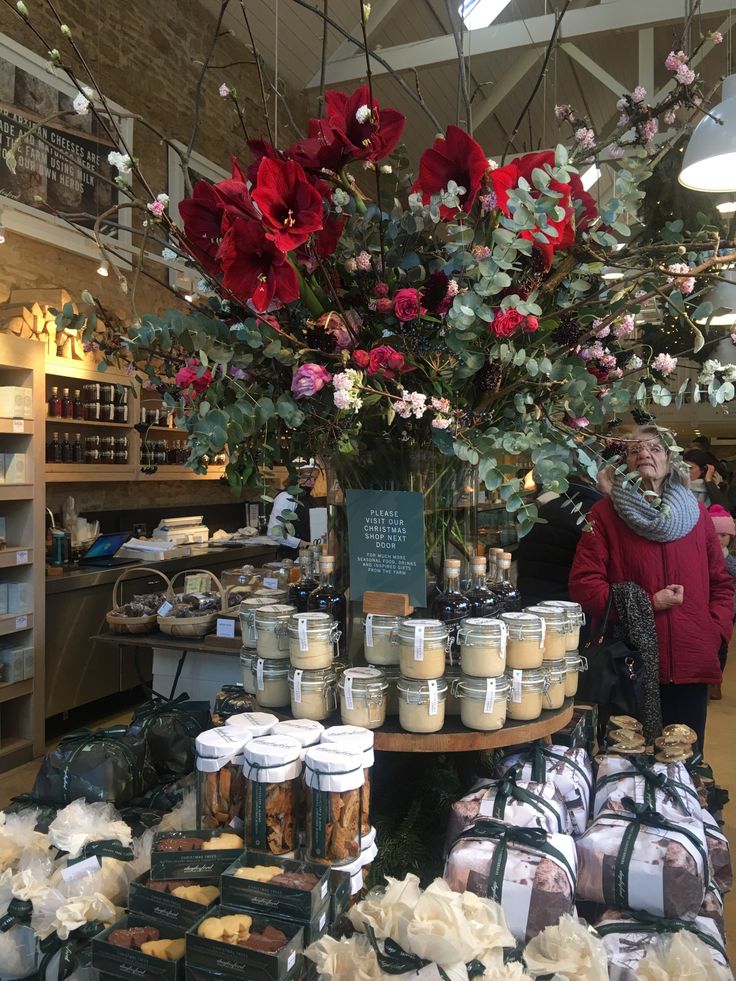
(235, 198)
(454, 157)
(261, 149)
(366, 131)
(202, 216)
(291, 208)
(322, 149)
(255, 268)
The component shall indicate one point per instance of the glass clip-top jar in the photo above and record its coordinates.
(313, 639)
(525, 641)
(363, 697)
(272, 640)
(555, 673)
(574, 664)
(312, 693)
(423, 645)
(272, 682)
(422, 704)
(575, 620)
(556, 630)
(527, 694)
(483, 702)
(247, 612)
(379, 632)
(482, 647)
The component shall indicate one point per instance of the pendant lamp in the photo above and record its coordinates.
(723, 295)
(709, 162)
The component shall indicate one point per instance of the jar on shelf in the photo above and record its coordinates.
(574, 664)
(312, 640)
(273, 768)
(453, 673)
(423, 646)
(526, 699)
(247, 613)
(307, 732)
(379, 633)
(525, 640)
(312, 693)
(482, 647)
(554, 673)
(106, 413)
(271, 595)
(360, 739)
(422, 704)
(92, 411)
(257, 723)
(575, 620)
(556, 630)
(362, 693)
(483, 702)
(272, 640)
(391, 673)
(247, 664)
(333, 777)
(220, 779)
(272, 682)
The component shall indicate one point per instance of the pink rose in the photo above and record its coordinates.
(387, 361)
(187, 377)
(361, 358)
(384, 305)
(308, 379)
(505, 324)
(531, 324)
(406, 304)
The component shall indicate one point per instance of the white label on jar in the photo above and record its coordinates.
(516, 683)
(349, 693)
(298, 686)
(225, 628)
(504, 638)
(269, 583)
(165, 609)
(21, 557)
(259, 673)
(433, 699)
(419, 642)
(544, 631)
(303, 636)
(490, 695)
(369, 630)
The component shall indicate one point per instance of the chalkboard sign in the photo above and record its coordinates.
(386, 543)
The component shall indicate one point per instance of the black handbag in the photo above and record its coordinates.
(615, 675)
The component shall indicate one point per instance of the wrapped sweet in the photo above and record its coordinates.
(636, 859)
(712, 909)
(665, 787)
(568, 949)
(629, 937)
(568, 768)
(523, 803)
(719, 852)
(530, 872)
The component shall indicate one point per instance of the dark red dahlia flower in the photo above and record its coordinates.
(454, 157)
(291, 207)
(255, 268)
(366, 131)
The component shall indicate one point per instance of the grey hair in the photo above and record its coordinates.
(677, 474)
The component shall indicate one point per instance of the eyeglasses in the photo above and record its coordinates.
(652, 446)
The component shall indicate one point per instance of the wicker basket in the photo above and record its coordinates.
(192, 626)
(133, 625)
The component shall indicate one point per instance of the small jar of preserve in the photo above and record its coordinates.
(362, 693)
(526, 699)
(379, 633)
(422, 704)
(422, 648)
(483, 702)
(525, 641)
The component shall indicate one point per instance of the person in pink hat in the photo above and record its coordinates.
(726, 530)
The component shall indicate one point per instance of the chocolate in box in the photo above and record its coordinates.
(279, 900)
(340, 891)
(195, 864)
(163, 906)
(313, 929)
(242, 962)
(121, 962)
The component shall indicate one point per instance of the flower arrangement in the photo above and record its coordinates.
(347, 301)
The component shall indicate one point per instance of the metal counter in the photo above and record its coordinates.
(79, 670)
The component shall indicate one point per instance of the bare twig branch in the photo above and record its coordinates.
(202, 74)
(374, 122)
(323, 59)
(259, 69)
(462, 77)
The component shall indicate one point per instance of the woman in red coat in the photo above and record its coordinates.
(658, 536)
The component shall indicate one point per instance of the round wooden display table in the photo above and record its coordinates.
(455, 738)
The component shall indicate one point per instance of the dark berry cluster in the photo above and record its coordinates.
(568, 332)
(488, 377)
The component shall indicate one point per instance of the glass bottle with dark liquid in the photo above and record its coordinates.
(327, 598)
(483, 602)
(507, 594)
(451, 605)
(302, 589)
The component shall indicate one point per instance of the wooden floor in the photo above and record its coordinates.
(720, 744)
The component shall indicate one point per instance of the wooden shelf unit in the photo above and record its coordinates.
(22, 703)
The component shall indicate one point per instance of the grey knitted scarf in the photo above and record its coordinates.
(676, 516)
(636, 627)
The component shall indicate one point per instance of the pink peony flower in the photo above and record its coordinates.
(187, 377)
(407, 304)
(383, 305)
(308, 379)
(505, 324)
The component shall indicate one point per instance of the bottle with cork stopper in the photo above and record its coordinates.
(494, 567)
(451, 605)
(483, 603)
(327, 598)
(506, 592)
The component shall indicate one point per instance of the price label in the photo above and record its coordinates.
(369, 630)
(298, 685)
(225, 627)
(348, 682)
(516, 686)
(21, 623)
(490, 696)
(165, 609)
(303, 636)
(419, 642)
(291, 961)
(21, 557)
(270, 583)
(196, 583)
(259, 674)
(80, 868)
(433, 699)
(18, 426)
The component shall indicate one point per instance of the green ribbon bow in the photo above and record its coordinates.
(393, 959)
(509, 788)
(646, 923)
(19, 914)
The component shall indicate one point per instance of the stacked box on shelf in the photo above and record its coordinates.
(15, 597)
(16, 402)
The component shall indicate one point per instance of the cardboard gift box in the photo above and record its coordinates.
(163, 906)
(122, 962)
(268, 898)
(191, 864)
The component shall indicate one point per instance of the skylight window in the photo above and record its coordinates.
(480, 13)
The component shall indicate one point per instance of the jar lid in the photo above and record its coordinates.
(433, 629)
(391, 672)
(259, 723)
(369, 680)
(314, 677)
(573, 611)
(480, 630)
(214, 743)
(575, 661)
(272, 759)
(273, 612)
(252, 602)
(271, 667)
(333, 768)
(315, 622)
(368, 839)
(479, 687)
(305, 731)
(362, 738)
(555, 616)
(523, 626)
(419, 691)
(381, 622)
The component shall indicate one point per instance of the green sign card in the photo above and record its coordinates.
(386, 543)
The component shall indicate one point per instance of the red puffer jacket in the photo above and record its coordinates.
(690, 635)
